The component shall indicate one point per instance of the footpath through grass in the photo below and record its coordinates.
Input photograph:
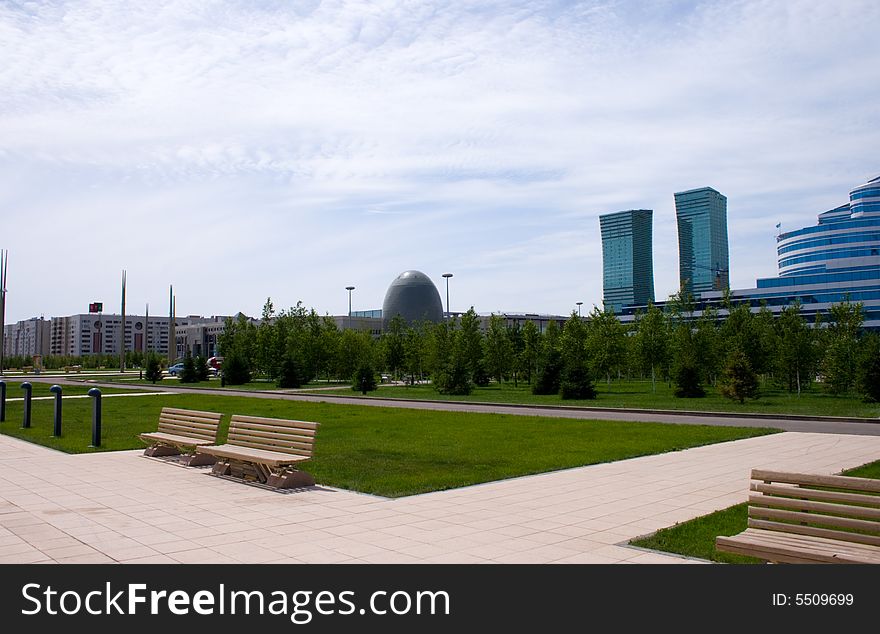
(391, 451)
(696, 538)
(639, 395)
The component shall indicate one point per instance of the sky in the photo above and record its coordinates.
(246, 150)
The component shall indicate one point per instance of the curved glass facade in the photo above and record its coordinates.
(846, 237)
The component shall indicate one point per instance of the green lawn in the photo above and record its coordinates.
(213, 383)
(638, 395)
(696, 538)
(13, 389)
(390, 451)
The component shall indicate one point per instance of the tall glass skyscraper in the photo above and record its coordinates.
(703, 261)
(627, 260)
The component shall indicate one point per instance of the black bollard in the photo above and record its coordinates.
(2, 401)
(95, 393)
(56, 426)
(27, 387)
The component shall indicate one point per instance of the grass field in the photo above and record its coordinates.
(696, 538)
(390, 451)
(638, 395)
(13, 389)
(214, 384)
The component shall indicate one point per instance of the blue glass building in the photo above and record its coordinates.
(627, 260)
(703, 260)
(825, 264)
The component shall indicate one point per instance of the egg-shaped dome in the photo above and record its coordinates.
(413, 296)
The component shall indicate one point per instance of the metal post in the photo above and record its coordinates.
(579, 307)
(4, 261)
(447, 276)
(2, 401)
(26, 422)
(349, 289)
(56, 420)
(95, 393)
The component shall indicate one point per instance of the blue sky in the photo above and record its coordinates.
(241, 150)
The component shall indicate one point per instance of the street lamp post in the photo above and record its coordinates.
(447, 276)
(579, 308)
(349, 289)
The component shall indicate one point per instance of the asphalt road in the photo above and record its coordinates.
(725, 420)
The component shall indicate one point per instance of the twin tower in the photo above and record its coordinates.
(627, 258)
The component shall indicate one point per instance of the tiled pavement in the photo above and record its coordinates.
(122, 507)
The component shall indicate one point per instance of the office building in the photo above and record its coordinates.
(627, 260)
(703, 261)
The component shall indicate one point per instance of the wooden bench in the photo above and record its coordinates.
(181, 431)
(72, 368)
(265, 450)
(805, 518)
(26, 369)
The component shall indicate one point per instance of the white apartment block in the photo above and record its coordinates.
(27, 338)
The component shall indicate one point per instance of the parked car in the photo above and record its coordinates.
(175, 369)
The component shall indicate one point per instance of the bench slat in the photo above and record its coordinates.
(180, 420)
(872, 501)
(275, 422)
(276, 429)
(235, 439)
(187, 425)
(825, 507)
(858, 538)
(812, 518)
(192, 412)
(257, 456)
(177, 440)
(267, 447)
(840, 482)
(273, 435)
(769, 545)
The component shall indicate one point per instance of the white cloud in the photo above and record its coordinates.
(242, 150)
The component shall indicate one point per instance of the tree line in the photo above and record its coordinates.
(738, 354)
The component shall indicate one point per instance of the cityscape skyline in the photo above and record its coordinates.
(245, 152)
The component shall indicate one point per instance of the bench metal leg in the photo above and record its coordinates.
(198, 460)
(290, 479)
(161, 450)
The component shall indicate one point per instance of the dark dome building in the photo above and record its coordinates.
(413, 296)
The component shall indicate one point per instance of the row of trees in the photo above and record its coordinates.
(737, 354)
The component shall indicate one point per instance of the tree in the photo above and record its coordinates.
(575, 383)
(414, 351)
(235, 369)
(652, 342)
(188, 372)
(266, 342)
(605, 343)
(796, 358)
(364, 379)
(201, 368)
(499, 349)
(531, 338)
(738, 379)
(842, 346)
(393, 345)
(550, 374)
(869, 368)
(470, 345)
(154, 368)
(291, 374)
(687, 382)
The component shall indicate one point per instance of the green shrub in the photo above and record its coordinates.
(738, 380)
(154, 368)
(236, 370)
(364, 379)
(291, 374)
(548, 381)
(687, 382)
(575, 383)
(188, 372)
(454, 378)
(869, 368)
(201, 368)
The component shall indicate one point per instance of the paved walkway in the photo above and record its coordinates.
(122, 507)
